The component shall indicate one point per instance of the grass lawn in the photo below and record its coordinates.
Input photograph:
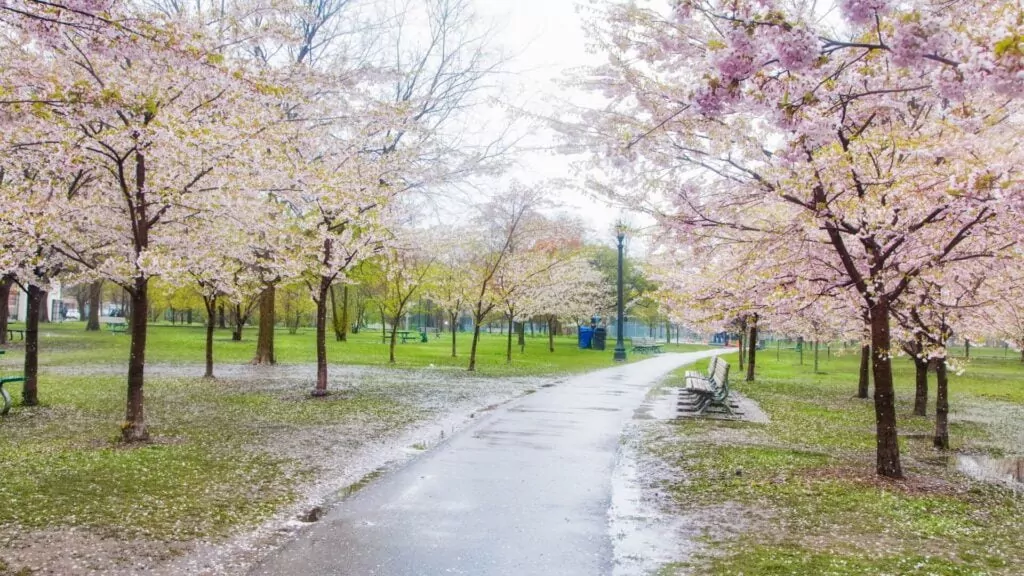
(801, 492)
(227, 454)
(68, 344)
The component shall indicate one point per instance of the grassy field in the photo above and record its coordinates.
(798, 495)
(229, 453)
(68, 344)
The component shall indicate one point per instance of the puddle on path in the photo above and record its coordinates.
(1008, 471)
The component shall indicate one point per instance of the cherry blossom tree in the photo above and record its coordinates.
(883, 146)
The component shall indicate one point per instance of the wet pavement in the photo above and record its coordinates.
(526, 491)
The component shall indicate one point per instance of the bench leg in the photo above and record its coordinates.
(5, 401)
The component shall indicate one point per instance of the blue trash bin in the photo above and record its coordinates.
(585, 335)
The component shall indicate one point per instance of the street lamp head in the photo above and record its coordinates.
(620, 230)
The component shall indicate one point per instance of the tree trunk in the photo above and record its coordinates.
(472, 349)
(265, 338)
(335, 318)
(30, 388)
(220, 316)
(5, 296)
(453, 320)
(134, 427)
(211, 325)
(865, 368)
(508, 351)
(522, 336)
(394, 340)
(239, 318)
(887, 441)
(44, 312)
(800, 348)
(817, 346)
(967, 348)
(921, 387)
(752, 360)
(551, 333)
(321, 337)
(95, 303)
(344, 314)
(941, 405)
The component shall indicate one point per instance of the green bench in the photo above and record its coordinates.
(646, 346)
(5, 396)
(117, 327)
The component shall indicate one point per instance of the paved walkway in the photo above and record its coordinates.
(524, 492)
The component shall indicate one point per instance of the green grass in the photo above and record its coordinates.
(68, 344)
(806, 481)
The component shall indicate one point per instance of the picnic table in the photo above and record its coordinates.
(12, 331)
(117, 327)
(407, 335)
(646, 346)
(5, 397)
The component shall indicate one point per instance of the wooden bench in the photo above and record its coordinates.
(646, 346)
(117, 327)
(12, 331)
(710, 390)
(5, 397)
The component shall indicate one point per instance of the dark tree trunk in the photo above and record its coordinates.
(321, 337)
(521, 330)
(344, 314)
(740, 348)
(5, 296)
(887, 440)
(508, 351)
(393, 341)
(967, 348)
(800, 348)
(941, 405)
(335, 318)
(239, 327)
(921, 386)
(134, 427)
(817, 346)
(95, 303)
(551, 333)
(30, 388)
(265, 338)
(211, 325)
(865, 369)
(221, 321)
(454, 318)
(752, 359)
(472, 348)
(44, 312)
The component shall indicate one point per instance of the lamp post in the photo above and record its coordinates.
(620, 347)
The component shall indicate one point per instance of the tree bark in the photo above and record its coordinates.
(211, 325)
(887, 441)
(321, 337)
(343, 337)
(30, 388)
(921, 387)
(6, 283)
(44, 313)
(394, 340)
(817, 346)
(551, 333)
(508, 351)
(967, 348)
(742, 339)
(335, 318)
(265, 338)
(521, 331)
(752, 359)
(134, 427)
(865, 368)
(941, 405)
(239, 327)
(472, 348)
(220, 316)
(453, 316)
(800, 348)
(95, 303)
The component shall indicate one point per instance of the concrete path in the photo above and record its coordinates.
(524, 492)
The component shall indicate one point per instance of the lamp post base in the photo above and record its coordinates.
(620, 355)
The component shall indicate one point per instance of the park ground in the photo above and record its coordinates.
(797, 495)
(233, 461)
